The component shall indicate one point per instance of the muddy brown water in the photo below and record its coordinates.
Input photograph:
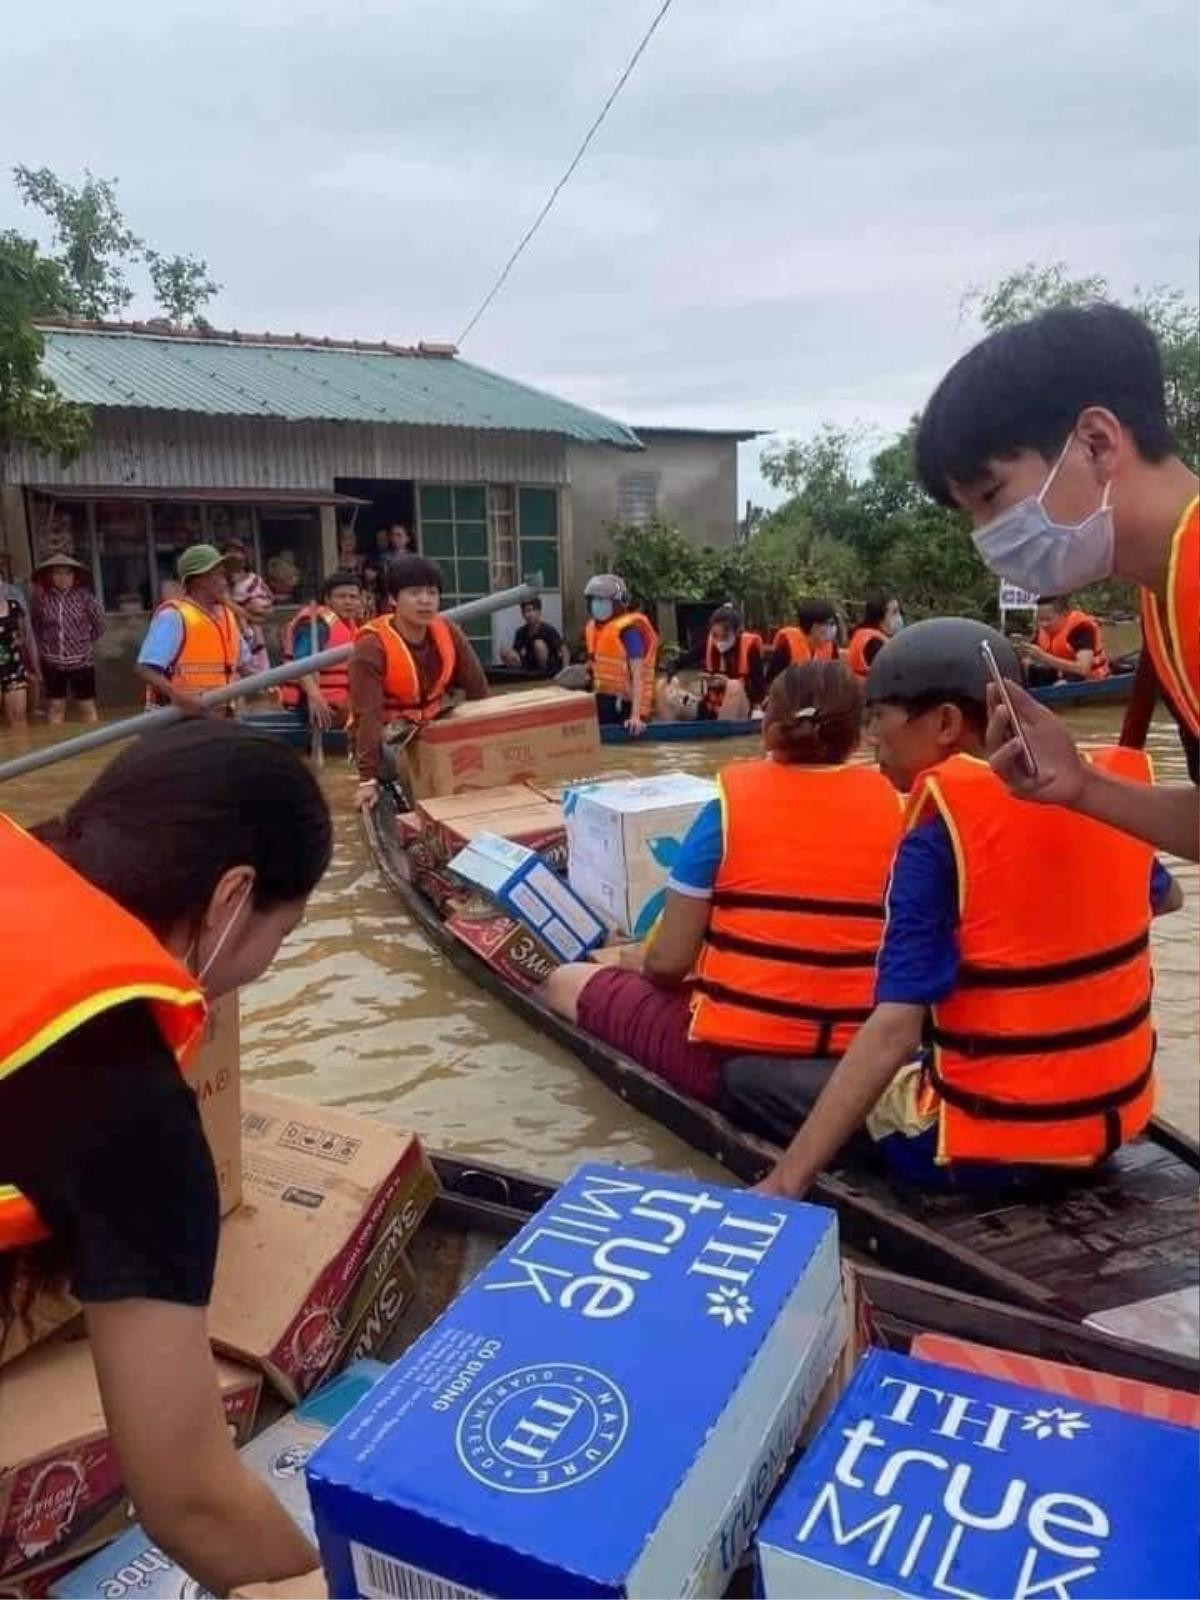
(359, 1012)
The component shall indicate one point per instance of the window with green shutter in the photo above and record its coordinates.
(537, 532)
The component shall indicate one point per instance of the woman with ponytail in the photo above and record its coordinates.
(171, 881)
(774, 907)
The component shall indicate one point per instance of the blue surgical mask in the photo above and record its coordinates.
(1026, 546)
(601, 610)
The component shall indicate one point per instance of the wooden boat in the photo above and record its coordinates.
(293, 728)
(1113, 690)
(1113, 1252)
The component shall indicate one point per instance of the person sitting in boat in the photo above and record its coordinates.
(325, 626)
(881, 620)
(814, 638)
(1068, 644)
(622, 652)
(774, 907)
(1041, 1043)
(194, 643)
(171, 881)
(537, 647)
(731, 653)
(403, 668)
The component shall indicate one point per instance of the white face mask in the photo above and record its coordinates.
(212, 955)
(893, 622)
(1024, 545)
(829, 632)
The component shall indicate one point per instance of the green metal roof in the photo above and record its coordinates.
(303, 382)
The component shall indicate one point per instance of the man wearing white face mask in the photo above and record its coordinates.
(1053, 436)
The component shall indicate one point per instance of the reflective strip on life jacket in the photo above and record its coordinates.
(403, 695)
(732, 663)
(69, 953)
(1171, 628)
(856, 658)
(800, 650)
(788, 961)
(211, 648)
(611, 673)
(1055, 641)
(1044, 1051)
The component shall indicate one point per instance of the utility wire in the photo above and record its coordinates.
(566, 177)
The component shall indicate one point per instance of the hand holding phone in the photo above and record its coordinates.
(998, 678)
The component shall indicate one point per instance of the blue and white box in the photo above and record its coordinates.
(604, 1411)
(937, 1484)
(519, 881)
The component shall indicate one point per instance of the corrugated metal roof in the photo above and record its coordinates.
(299, 383)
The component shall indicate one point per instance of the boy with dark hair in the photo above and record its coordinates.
(324, 626)
(1053, 436)
(1041, 1044)
(814, 638)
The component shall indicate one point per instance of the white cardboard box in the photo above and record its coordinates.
(623, 839)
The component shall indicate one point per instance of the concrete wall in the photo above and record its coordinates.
(695, 486)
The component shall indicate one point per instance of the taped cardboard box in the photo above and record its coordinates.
(511, 738)
(215, 1073)
(134, 1566)
(61, 1489)
(544, 1436)
(320, 1189)
(513, 812)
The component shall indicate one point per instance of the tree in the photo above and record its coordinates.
(182, 285)
(90, 232)
(32, 411)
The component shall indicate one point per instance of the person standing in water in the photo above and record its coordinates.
(67, 621)
(195, 643)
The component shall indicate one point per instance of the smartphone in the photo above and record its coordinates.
(998, 678)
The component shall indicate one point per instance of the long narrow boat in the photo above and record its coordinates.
(1113, 1252)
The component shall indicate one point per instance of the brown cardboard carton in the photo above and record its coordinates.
(318, 1186)
(61, 1490)
(508, 946)
(536, 734)
(50, 1311)
(215, 1073)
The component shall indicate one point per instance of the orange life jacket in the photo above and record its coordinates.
(788, 961)
(1054, 641)
(212, 646)
(856, 658)
(68, 953)
(1044, 1052)
(738, 659)
(1171, 627)
(402, 692)
(610, 664)
(798, 648)
(333, 682)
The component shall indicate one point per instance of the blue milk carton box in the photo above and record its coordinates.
(931, 1482)
(134, 1568)
(519, 880)
(604, 1411)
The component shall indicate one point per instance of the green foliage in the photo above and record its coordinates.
(182, 285)
(1022, 294)
(90, 232)
(32, 411)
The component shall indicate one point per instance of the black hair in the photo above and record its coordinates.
(1024, 387)
(875, 607)
(810, 612)
(535, 600)
(813, 714)
(974, 712)
(180, 806)
(412, 572)
(340, 580)
(1058, 601)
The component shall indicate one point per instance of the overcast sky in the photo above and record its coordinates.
(774, 226)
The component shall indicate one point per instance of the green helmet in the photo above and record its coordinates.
(939, 659)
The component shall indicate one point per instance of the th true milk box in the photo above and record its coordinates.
(521, 883)
(623, 839)
(604, 1411)
(941, 1484)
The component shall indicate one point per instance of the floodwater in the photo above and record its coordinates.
(359, 1012)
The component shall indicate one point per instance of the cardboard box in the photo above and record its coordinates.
(548, 1435)
(61, 1489)
(537, 733)
(507, 945)
(520, 883)
(514, 812)
(319, 1186)
(622, 841)
(215, 1073)
(1080, 1383)
(51, 1311)
(134, 1566)
(931, 1482)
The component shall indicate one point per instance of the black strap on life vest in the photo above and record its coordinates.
(977, 1045)
(768, 950)
(971, 976)
(746, 900)
(791, 1009)
(992, 1110)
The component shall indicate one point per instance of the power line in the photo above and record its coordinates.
(566, 177)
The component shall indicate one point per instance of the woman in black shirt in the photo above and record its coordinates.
(212, 838)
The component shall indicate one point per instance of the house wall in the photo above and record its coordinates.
(694, 485)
